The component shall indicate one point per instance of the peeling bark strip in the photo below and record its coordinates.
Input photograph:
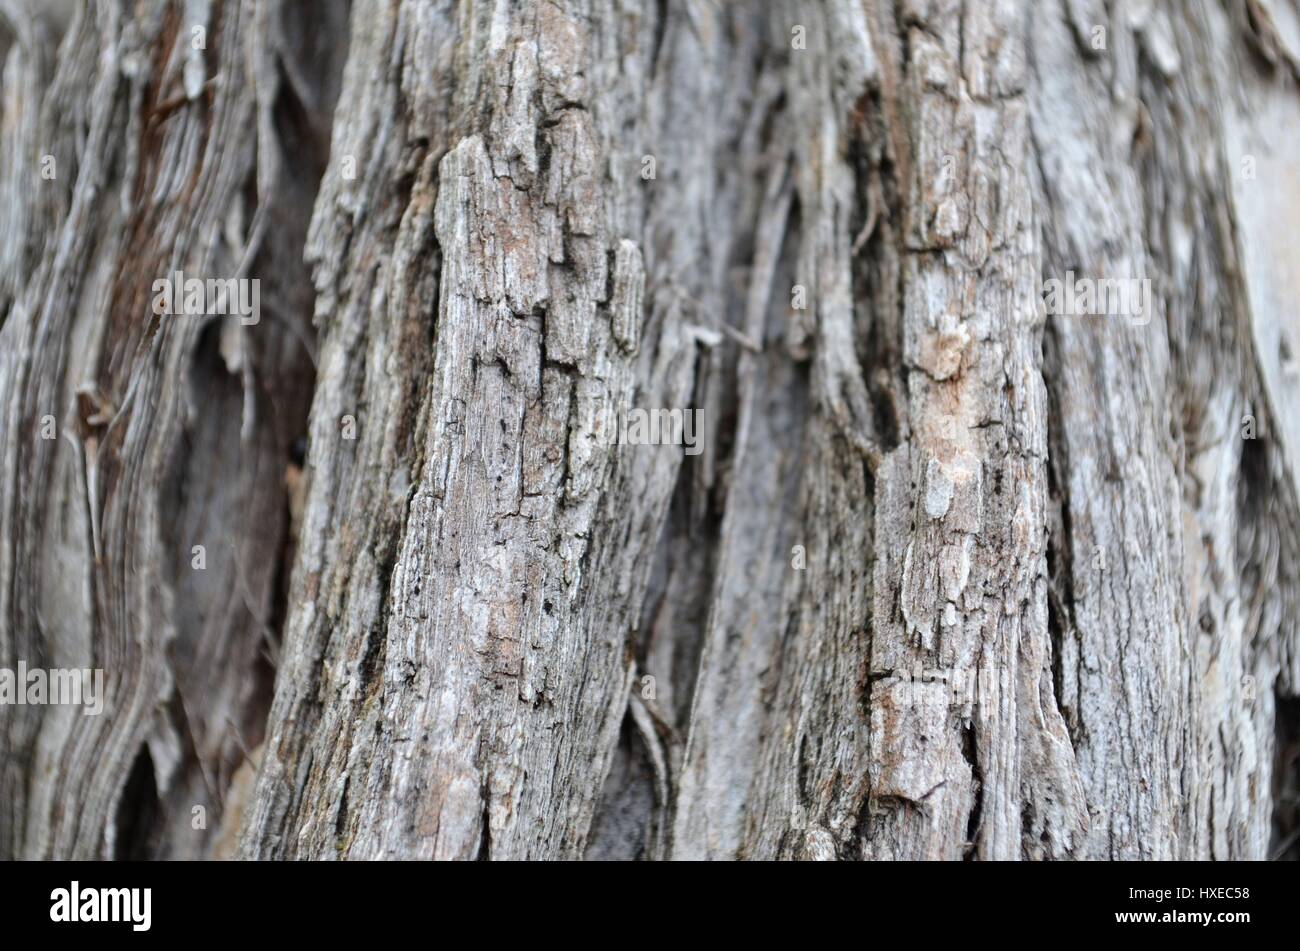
(934, 573)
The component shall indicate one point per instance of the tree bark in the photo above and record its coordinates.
(465, 621)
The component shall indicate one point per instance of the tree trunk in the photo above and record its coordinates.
(939, 572)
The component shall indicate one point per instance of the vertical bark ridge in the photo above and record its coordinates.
(471, 690)
(1171, 520)
(1127, 689)
(948, 522)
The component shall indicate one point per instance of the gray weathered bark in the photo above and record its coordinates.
(466, 625)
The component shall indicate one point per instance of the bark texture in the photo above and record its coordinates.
(463, 622)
